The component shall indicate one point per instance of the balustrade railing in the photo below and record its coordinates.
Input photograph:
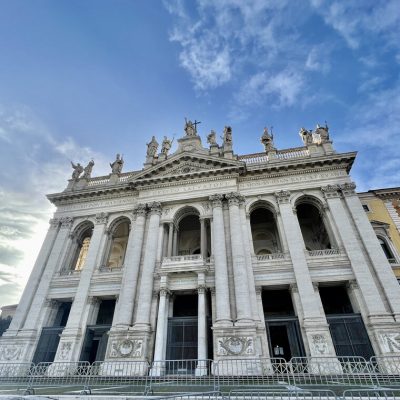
(323, 252)
(189, 257)
(272, 256)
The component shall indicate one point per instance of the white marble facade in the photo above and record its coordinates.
(227, 265)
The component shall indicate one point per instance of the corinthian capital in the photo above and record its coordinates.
(66, 222)
(282, 196)
(140, 210)
(54, 222)
(234, 198)
(216, 200)
(348, 188)
(101, 218)
(330, 191)
(154, 207)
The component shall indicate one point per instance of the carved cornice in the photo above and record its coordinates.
(330, 191)
(216, 200)
(282, 196)
(348, 189)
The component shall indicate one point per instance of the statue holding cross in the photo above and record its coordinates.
(191, 127)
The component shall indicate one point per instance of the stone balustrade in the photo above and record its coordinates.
(323, 253)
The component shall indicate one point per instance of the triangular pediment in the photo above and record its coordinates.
(185, 165)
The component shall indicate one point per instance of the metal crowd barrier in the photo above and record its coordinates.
(214, 395)
(331, 371)
(379, 376)
(14, 377)
(386, 370)
(271, 394)
(117, 377)
(252, 372)
(369, 394)
(53, 378)
(177, 374)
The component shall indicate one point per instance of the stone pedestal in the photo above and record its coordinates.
(214, 150)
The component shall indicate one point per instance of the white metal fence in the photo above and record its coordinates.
(377, 377)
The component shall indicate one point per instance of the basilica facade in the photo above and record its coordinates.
(208, 255)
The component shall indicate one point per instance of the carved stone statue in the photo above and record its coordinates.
(116, 166)
(166, 145)
(322, 132)
(87, 171)
(267, 140)
(78, 169)
(152, 147)
(190, 128)
(227, 138)
(211, 138)
(306, 136)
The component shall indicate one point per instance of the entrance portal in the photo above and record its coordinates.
(283, 330)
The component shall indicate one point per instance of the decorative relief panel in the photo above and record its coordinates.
(319, 345)
(11, 352)
(132, 348)
(390, 341)
(65, 349)
(235, 346)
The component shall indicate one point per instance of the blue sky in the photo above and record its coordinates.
(92, 78)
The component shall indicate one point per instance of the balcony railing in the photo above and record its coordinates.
(189, 257)
(272, 256)
(323, 252)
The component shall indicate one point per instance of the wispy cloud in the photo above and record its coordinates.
(37, 162)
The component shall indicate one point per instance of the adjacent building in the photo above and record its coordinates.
(205, 254)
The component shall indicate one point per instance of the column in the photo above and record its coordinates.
(34, 279)
(201, 368)
(250, 234)
(359, 263)
(76, 324)
(242, 293)
(124, 308)
(170, 237)
(223, 313)
(175, 245)
(159, 348)
(247, 244)
(146, 283)
(378, 259)
(203, 238)
(56, 255)
(314, 322)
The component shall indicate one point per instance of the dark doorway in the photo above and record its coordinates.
(182, 328)
(349, 336)
(96, 337)
(282, 325)
(46, 348)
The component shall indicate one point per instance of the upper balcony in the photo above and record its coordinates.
(185, 263)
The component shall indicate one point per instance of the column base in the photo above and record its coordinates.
(18, 349)
(238, 351)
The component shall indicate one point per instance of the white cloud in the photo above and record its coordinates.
(318, 59)
(36, 163)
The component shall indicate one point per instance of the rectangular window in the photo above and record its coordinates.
(366, 208)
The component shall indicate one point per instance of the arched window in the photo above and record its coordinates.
(189, 235)
(118, 244)
(312, 227)
(386, 249)
(264, 232)
(80, 247)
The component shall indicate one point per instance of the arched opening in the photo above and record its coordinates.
(189, 239)
(264, 232)
(80, 247)
(312, 227)
(389, 255)
(118, 242)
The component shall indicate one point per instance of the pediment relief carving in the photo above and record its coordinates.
(186, 165)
